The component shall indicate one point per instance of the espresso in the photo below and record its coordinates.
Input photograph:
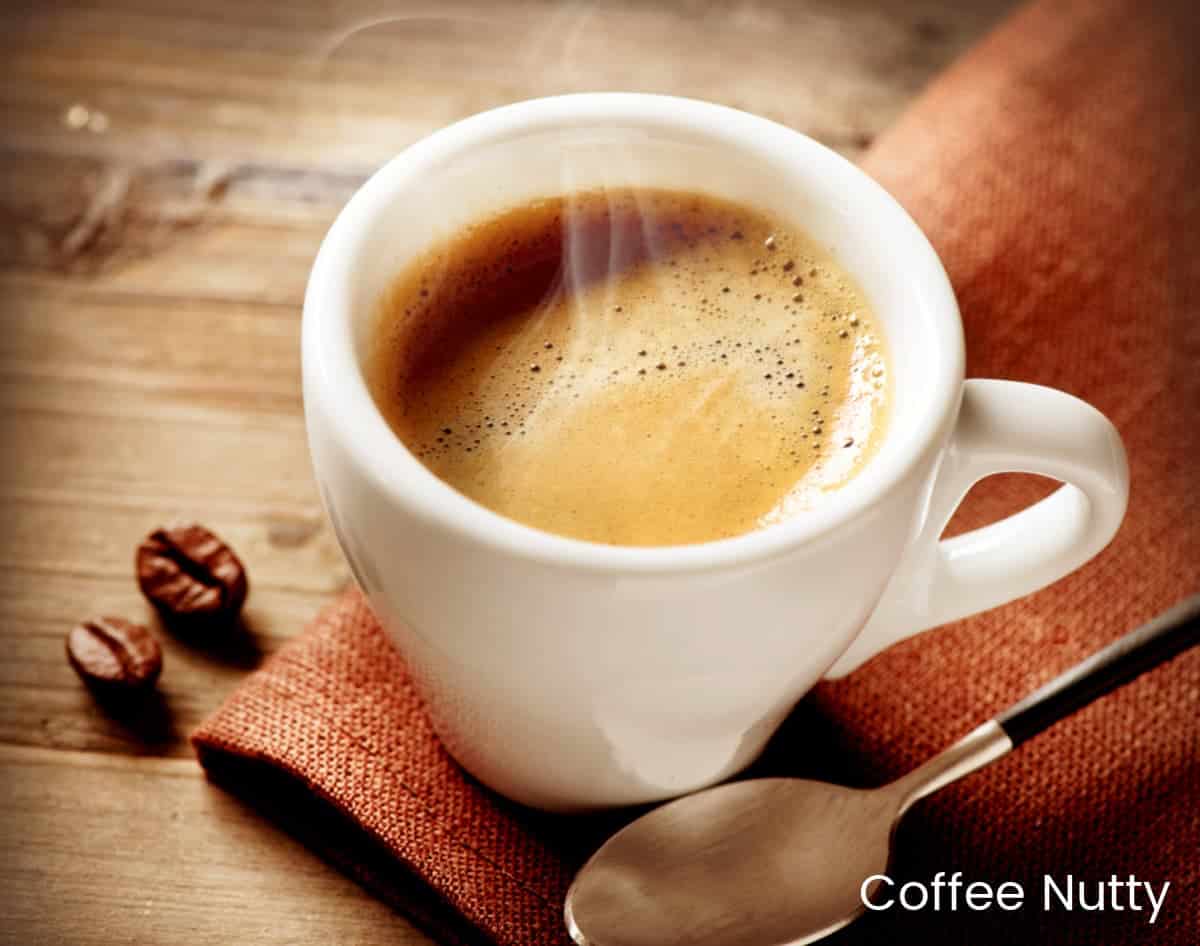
(633, 367)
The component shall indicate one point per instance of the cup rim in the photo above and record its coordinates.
(333, 373)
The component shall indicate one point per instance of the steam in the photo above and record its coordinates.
(549, 55)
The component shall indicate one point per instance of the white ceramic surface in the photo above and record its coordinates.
(570, 675)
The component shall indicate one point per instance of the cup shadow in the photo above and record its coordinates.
(235, 644)
(143, 715)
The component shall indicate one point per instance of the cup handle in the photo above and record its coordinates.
(1004, 427)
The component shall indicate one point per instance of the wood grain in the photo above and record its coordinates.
(116, 850)
(167, 171)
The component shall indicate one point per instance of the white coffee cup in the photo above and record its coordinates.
(570, 675)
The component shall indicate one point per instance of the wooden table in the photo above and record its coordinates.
(167, 170)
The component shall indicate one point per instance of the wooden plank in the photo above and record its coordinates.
(254, 462)
(76, 329)
(163, 228)
(282, 553)
(187, 350)
(194, 404)
(104, 849)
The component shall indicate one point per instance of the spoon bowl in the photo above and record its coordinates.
(683, 872)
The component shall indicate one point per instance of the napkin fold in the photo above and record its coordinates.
(1056, 168)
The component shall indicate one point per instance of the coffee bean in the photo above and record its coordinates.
(114, 654)
(190, 575)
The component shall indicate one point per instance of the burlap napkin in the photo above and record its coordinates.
(1057, 170)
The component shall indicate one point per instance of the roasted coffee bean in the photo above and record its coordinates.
(114, 654)
(190, 575)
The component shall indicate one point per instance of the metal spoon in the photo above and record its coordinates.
(775, 861)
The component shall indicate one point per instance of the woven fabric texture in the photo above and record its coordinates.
(1056, 168)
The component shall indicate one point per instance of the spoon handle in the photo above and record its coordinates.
(1155, 642)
